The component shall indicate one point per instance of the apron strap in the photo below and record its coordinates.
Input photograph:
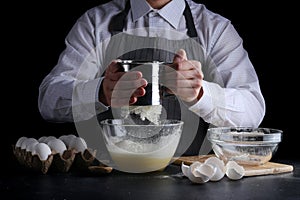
(118, 21)
(192, 33)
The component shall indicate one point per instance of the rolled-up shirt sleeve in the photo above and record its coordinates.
(232, 95)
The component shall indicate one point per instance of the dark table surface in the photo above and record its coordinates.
(19, 183)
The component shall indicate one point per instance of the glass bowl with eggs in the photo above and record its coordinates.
(140, 148)
(245, 145)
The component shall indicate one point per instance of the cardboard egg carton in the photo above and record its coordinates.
(62, 154)
(69, 159)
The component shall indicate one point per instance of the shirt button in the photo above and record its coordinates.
(152, 14)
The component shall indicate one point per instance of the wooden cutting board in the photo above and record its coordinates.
(265, 169)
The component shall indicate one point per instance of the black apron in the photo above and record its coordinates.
(164, 51)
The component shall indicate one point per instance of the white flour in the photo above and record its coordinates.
(151, 112)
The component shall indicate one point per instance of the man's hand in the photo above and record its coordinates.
(121, 88)
(184, 78)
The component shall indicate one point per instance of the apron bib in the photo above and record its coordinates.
(131, 47)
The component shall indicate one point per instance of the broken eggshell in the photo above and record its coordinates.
(213, 169)
(199, 172)
(185, 169)
(234, 171)
(220, 168)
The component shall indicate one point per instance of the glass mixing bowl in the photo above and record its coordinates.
(142, 148)
(246, 146)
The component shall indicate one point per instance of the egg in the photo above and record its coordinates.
(57, 145)
(20, 140)
(220, 166)
(234, 171)
(63, 137)
(42, 139)
(31, 145)
(49, 138)
(26, 142)
(67, 139)
(42, 150)
(78, 144)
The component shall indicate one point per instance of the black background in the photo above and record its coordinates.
(34, 36)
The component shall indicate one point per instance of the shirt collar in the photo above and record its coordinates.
(139, 8)
(172, 12)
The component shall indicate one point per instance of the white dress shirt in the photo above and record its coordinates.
(71, 89)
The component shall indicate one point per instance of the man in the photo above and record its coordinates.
(210, 78)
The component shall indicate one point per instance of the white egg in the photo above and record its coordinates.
(78, 144)
(27, 142)
(20, 140)
(62, 138)
(201, 172)
(49, 138)
(57, 145)
(23, 143)
(67, 139)
(42, 139)
(42, 150)
(31, 145)
(220, 166)
(234, 171)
